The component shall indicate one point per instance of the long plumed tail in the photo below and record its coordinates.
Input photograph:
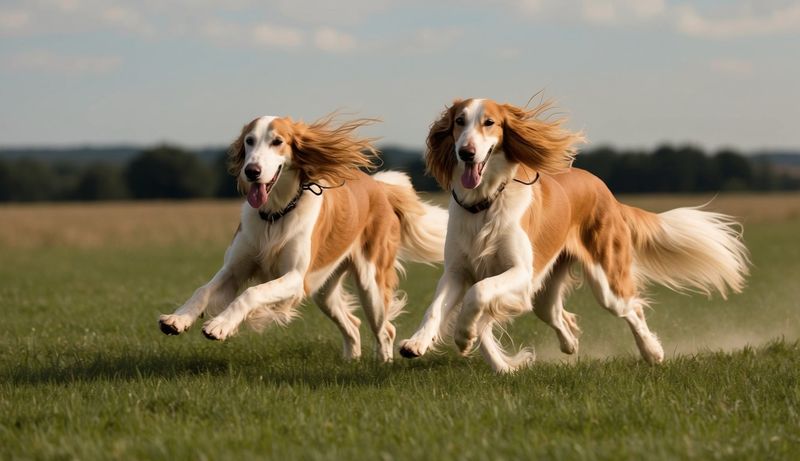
(689, 249)
(498, 358)
(424, 226)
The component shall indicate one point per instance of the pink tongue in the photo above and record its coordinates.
(258, 195)
(472, 176)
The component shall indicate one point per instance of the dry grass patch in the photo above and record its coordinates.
(94, 225)
(119, 224)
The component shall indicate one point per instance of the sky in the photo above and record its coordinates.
(632, 73)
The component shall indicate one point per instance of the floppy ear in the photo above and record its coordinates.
(542, 145)
(440, 158)
(332, 154)
(236, 156)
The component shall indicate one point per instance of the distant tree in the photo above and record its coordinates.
(600, 161)
(169, 172)
(630, 173)
(27, 180)
(101, 181)
(5, 181)
(226, 183)
(411, 162)
(735, 170)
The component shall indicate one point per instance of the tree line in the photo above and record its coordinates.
(169, 172)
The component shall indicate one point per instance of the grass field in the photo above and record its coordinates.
(85, 373)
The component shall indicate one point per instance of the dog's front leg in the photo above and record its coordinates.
(449, 293)
(503, 295)
(217, 293)
(284, 288)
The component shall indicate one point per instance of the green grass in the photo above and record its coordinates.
(85, 373)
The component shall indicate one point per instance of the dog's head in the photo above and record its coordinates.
(271, 146)
(471, 131)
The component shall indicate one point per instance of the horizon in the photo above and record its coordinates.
(632, 74)
(385, 146)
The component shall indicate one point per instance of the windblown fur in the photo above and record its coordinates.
(518, 255)
(333, 221)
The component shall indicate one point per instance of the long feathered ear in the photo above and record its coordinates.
(440, 157)
(236, 156)
(323, 152)
(542, 145)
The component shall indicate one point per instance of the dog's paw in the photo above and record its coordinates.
(174, 324)
(465, 342)
(411, 349)
(568, 344)
(217, 329)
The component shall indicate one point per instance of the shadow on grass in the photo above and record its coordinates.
(310, 364)
(305, 364)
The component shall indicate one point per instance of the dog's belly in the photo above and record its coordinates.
(314, 280)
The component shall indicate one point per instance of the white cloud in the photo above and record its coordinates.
(715, 20)
(747, 21)
(615, 11)
(731, 66)
(14, 21)
(509, 53)
(269, 35)
(64, 5)
(607, 12)
(119, 17)
(46, 17)
(339, 13)
(72, 65)
(258, 35)
(332, 40)
(326, 39)
(434, 40)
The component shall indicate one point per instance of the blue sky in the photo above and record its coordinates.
(633, 73)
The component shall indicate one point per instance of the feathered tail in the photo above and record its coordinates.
(424, 226)
(689, 249)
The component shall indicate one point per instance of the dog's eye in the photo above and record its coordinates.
(488, 122)
(277, 142)
(460, 121)
(249, 141)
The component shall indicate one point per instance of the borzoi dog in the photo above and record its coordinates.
(520, 217)
(312, 217)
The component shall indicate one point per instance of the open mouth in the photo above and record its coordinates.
(473, 172)
(259, 192)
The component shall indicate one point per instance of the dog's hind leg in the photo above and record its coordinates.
(376, 283)
(611, 294)
(337, 303)
(609, 269)
(548, 305)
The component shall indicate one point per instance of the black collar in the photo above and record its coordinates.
(272, 216)
(314, 188)
(487, 202)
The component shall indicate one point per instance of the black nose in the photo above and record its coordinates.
(466, 155)
(252, 171)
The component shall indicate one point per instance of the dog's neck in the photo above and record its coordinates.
(283, 192)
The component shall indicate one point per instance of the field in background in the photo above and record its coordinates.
(99, 224)
(85, 373)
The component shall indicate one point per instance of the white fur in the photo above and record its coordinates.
(706, 246)
(278, 256)
(488, 266)
(488, 277)
(471, 136)
(423, 236)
